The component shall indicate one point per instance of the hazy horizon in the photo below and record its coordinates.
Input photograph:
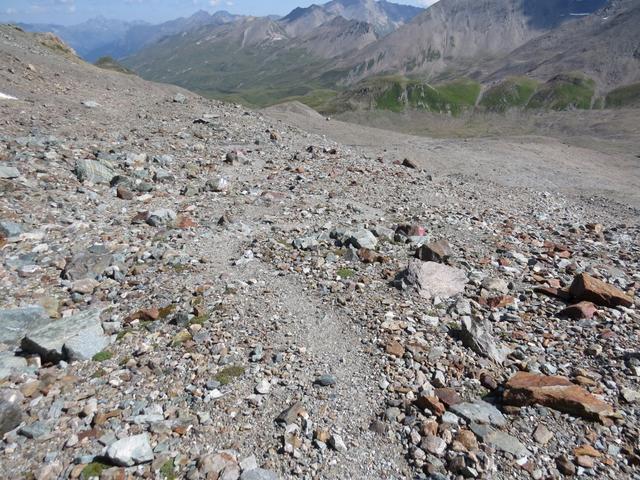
(69, 12)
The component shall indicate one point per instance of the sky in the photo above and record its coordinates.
(67, 12)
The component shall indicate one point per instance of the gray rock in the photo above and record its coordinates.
(361, 239)
(432, 279)
(10, 229)
(161, 217)
(477, 334)
(9, 172)
(258, 474)
(179, 98)
(130, 451)
(480, 412)
(94, 171)
(337, 443)
(90, 104)
(499, 440)
(325, 380)
(35, 430)
(10, 416)
(16, 322)
(306, 243)
(78, 337)
(87, 265)
(10, 364)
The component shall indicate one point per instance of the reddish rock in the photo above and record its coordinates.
(124, 193)
(367, 255)
(560, 293)
(147, 315)
(579, 311)
(501, 301)
(555, 392)
(448, 396)
(587, 288)
(426, 402)
(439, 251)
(394, 348)
(185, 222)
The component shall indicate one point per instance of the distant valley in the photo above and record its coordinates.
(345, 55)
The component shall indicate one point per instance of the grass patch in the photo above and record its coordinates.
(564, 92)
(103, 356)
(514, 92)
(226, 375)
(109, 63)
(396, 94)
(345, 273)
(93, 470)
(168, 470)
(626, 96)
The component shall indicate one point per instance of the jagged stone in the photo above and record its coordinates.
(587, 288)
(432, 279)
(130, 451)
(477, 334)
(78, 337)
(16, 322)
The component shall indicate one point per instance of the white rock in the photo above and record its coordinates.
(130, 451)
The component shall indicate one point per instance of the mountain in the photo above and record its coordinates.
(384, 16)
(101, 37)
(87, 36)
(605, 47)
(453, 34)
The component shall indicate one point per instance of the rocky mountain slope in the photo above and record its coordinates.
(100, 37)
(384, 16)
(199, 291)
(456, 34)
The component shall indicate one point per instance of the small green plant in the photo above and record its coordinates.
(101, 372)
(168, 470)
(226, 375)
(102, 356)
(345, 273)
(93, 470)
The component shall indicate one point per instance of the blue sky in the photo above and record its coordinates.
(75, 11)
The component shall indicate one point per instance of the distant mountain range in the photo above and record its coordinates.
(100, 37)
(452, 56)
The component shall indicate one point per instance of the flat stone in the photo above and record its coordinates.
(542, 435)
(16, 322)
(555, 392)
(130, 451)
(94, 171)
(432, 279)
(579, 311)
(87, 265)
(499, 440)
(161, 217)
(439, 251)
(78, 337)
(11, 364)
(10, 416)
(361, 239)
(434, 445)
(480, 412)
(9, 173)
(258, 474)
(477, 334)
(10, 229)
(587, 288)
(325, 380)
(291, 414)
(35, 430)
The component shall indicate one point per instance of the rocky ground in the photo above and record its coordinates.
(192, 290)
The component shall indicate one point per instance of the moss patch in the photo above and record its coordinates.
(168, 470)
(93, 470)
(102, 356)
(226, 375)
(564, 92)
(345, 273)
(512, 93)
(627, 96)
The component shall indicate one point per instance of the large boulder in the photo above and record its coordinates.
(94, 171)
(555, 392)
(10, 416)
(78, 337)
(432, 279)
(130, 451)
(587, 288)
(16, 322)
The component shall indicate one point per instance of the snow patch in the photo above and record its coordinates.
(6, 97)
